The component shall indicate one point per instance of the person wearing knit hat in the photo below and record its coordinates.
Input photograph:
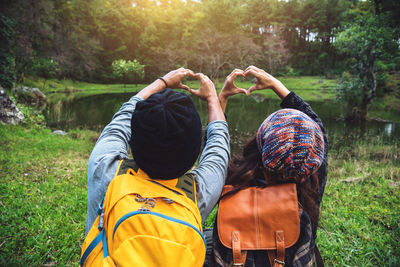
(164, 132)
(167, 131)
(290, 146)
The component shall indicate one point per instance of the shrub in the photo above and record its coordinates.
(44, 67)
(128, 70)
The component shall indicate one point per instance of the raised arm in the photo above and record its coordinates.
(210, 173)
(208, 93)
(291, 100)
(266, 81)
(263, 81)
(113, 143)
(229, 88)
(172, 79)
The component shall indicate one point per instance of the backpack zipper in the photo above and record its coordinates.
(138, 212)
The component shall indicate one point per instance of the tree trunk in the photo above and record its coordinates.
(377, 6)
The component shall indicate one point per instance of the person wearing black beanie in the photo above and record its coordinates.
(167, 137)
(163, 129)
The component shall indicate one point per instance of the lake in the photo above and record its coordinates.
(245, 114)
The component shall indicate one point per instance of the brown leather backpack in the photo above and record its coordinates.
(259, 218)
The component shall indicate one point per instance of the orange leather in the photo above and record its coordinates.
(258, 213)
(272, 260)
(271, 257)
(239, 257)
(280, 248)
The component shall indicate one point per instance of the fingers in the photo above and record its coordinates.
(202, 78)
(184, 86)
(242, 91)
(188, 72)
(251, 89)
(253, 72)
(254, 68)
(182, 72)
(194, 92)
(237, 72)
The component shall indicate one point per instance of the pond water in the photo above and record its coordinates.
(245, 114)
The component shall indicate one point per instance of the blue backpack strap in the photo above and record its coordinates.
(105, 246)
(91, 246)
(101, 237)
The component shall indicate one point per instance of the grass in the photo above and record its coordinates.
(42, 195)
(360, 212)
(43, 191)
(311, 87)
(69, 86)
(360, 221)
(43, 200)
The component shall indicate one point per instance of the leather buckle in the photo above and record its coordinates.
(279, 262)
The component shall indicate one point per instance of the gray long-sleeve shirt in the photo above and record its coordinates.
(113, 145)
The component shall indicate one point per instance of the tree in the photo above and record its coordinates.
(215, 53)
(275, 53)
(128, 70)
(44, 67)
(7, 59)
(365, 42)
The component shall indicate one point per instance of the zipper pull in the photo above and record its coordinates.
(100, 212)
(148, 204)
(168, 200)
(139, 198)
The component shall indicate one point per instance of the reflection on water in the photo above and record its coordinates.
(389, 129)
(244, 117)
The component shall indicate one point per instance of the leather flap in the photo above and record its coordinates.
(258, 213)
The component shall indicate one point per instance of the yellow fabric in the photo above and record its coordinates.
(147, 239)
(107, 262)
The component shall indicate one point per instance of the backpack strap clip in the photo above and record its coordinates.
(278, 259)
(100, 212)
(279, 262)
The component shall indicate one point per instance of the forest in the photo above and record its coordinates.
(83, 59)
(81, 39)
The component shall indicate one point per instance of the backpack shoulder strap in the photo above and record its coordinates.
(187, 184)
(125, 165)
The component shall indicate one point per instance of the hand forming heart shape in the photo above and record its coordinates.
(263, 81)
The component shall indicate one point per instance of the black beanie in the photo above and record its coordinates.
(166, 134)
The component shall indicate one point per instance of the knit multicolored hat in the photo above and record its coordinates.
(291, 144)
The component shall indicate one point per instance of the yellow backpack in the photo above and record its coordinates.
(146, 222)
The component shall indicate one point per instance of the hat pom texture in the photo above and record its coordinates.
(291, 144)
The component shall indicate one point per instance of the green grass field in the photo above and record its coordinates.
(360, 221)
(42, 196)
(311, 87)
(43, 200)
(43, 191)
